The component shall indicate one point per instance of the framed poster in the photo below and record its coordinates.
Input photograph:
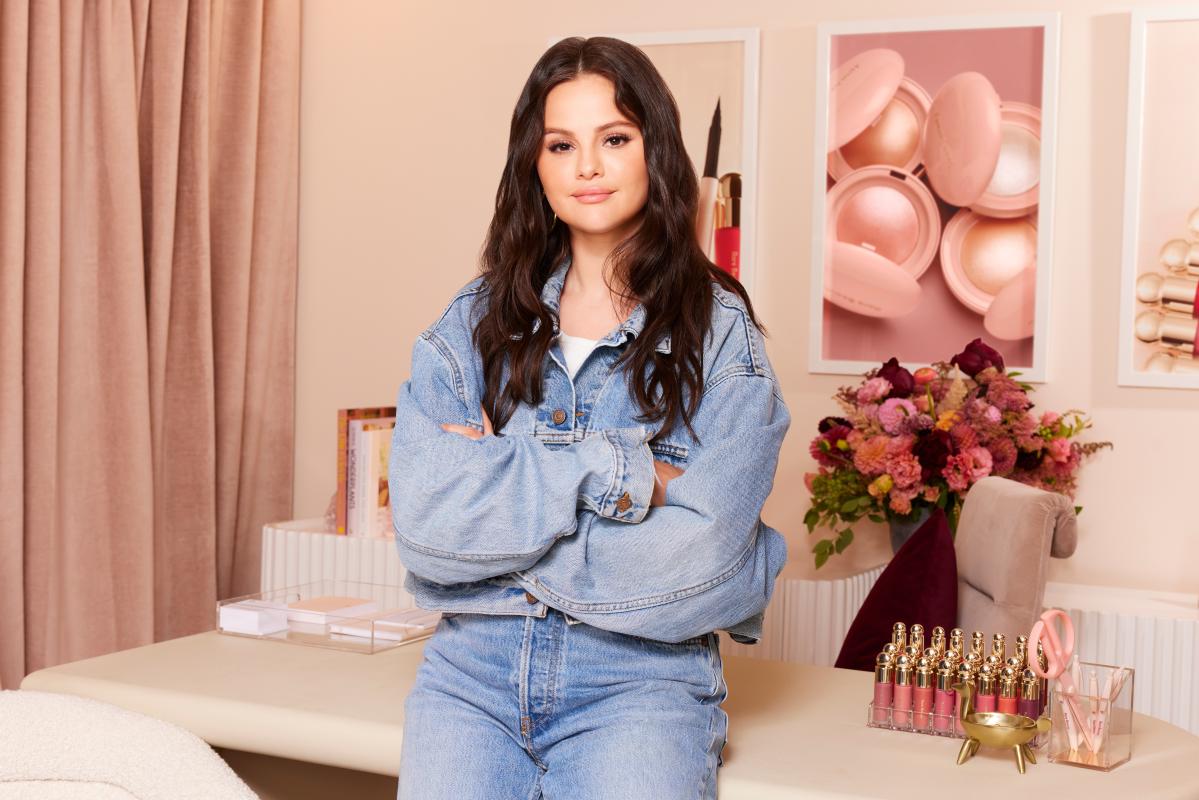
(933, 190)
(1159, 297)
(703, 68)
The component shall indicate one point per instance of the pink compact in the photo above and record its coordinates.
(883, 227)
(983, 258)
(981, 153)
(962, 138)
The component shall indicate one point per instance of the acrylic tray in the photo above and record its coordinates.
(932, 724)
(269, 615)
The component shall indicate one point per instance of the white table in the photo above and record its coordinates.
(794, 731)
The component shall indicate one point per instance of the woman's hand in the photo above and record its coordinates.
(663, 474)
(468, 432)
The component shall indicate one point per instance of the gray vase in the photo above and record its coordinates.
(902, 528)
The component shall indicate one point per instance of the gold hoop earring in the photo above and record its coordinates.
(555, 222)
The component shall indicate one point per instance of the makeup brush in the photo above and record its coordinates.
(709, 186)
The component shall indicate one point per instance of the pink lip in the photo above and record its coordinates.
(592, 197)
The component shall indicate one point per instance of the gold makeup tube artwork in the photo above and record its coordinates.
(1172, 329)
(1173, 292)
(1175, 361)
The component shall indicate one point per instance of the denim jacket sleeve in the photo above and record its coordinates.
(465, 510)
(702, 562)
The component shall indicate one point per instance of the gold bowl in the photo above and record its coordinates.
(994, 729)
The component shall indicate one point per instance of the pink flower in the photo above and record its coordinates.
(808, 477)
(901, 500)
(873, 390)
(921, 403)
(1049, 419)
(924, 375)
(1059, 450)
(981, 463)
(1003, 456)
(871, 457)
(894, 413)
(992, 414)
(963, 436)
(957, 472)
(931, 493)
(1024, 429)
(904, 469)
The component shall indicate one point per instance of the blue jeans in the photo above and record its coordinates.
(526, 707)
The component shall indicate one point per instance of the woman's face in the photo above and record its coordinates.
(590, 146)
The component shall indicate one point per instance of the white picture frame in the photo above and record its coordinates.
(819, 359)
(1151, 58)
(695, 122)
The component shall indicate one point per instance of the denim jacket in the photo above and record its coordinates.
(556, 511)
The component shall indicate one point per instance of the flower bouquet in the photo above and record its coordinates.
(908, 443)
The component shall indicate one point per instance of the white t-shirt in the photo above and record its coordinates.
(576, 350)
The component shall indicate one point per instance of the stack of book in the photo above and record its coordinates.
(363, 450)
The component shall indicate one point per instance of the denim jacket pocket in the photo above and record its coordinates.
(671, 451)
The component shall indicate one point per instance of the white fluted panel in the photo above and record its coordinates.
(807, 619)
(1163, 651)
(302, 551)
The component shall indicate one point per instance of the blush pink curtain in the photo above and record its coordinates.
(148, 223)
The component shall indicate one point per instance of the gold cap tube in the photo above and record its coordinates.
(999, 647)
(1007, 683)
(884, 668)
(903, 671)
(899, 635)
(976, 643)
(1030, 685)
(924, 674)
(916, 636)
(986, 680)
(945, 672)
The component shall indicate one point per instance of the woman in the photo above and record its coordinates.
(580, 459)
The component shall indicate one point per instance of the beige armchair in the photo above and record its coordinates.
(1005, 537)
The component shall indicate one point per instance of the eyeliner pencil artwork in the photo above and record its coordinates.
(708, 187)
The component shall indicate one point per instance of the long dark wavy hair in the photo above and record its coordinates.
(661, 263)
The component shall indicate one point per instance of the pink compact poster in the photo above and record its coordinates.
(929, 216)
(1159, 333)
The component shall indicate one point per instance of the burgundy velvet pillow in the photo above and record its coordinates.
(919, 585)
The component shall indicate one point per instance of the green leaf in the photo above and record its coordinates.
(811, 519)
(849, 505)
(942, 499)
(821, 559)
(844, 540)
(1077, 510)
(877, 518)
(1015, 373)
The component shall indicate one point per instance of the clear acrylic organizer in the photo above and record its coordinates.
(1093, 726)
(368, 619)
(933, 724)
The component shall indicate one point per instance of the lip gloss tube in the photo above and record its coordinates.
(1169, 328)
(916, 637)
(899, 636)
(944, 705)
(938, 642)
(884, 686)
(965, 676)
(1043, 663)
(998, 652)
(984, 699)
(1030, 695)
(976, 643)
(955, 639)
(1021, 654)
(902, 716)
(923, 693)
(1008, 691)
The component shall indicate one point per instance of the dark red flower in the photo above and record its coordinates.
(832, 422)
(932, 451)
(976, 357)
(902, 382)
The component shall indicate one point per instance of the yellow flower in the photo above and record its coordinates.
(880, 486)
(947, 420)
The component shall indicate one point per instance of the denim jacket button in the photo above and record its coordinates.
(622, 505)
(559, 416)
(530, 599)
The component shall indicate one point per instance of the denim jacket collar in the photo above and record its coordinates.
(551, 294)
